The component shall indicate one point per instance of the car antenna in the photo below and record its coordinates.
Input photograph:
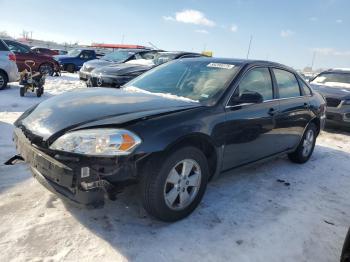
(154, 46)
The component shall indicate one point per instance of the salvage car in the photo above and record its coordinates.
(334, 85)
(42, 63)
(116, 57)
(119, 74)
(171, 130)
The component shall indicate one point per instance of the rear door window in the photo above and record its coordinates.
(288, 85)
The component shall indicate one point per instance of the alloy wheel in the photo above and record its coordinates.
(182, 184)
(308, 142)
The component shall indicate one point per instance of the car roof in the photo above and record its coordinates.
(241, 62)
(178, 53)
(337, 70)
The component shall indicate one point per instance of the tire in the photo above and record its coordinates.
(46, 69)
(156, 190)
(70, 68)
(39, 92)
(3, 80)
(306, 146)
(21, 91)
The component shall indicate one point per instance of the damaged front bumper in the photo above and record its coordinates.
(79, 180)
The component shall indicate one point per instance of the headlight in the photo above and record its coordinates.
(346, 102)
(98, 142)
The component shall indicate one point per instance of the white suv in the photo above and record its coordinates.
(8, 67)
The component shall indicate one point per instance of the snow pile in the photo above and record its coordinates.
(277, 211)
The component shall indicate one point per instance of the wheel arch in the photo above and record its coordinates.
(202, 142)
(317, 122)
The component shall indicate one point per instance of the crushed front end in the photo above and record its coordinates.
(82, 180)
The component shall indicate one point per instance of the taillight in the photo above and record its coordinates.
(12, 57)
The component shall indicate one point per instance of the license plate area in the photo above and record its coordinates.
(44, 164)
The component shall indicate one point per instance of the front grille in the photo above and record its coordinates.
(332, 102)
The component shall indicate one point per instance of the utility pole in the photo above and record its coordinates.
(250, 43)
(313, 60)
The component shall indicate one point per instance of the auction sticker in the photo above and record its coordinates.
(220, 65)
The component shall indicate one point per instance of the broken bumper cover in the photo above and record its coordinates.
(67, 181)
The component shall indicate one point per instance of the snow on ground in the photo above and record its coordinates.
(277, 211)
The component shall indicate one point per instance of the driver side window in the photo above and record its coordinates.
(257, 80)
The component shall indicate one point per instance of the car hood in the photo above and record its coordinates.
(340, 92)
(94, 107)
(120, 69)
(96, 63)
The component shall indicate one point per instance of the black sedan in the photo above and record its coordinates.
(171, 130)
(116, 57)
(119, 74)
(334, 85)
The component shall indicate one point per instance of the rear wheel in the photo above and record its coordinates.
(46, 69)
(70, 68)
(39, 92)
(173, 188)
(306, 145)
(3, 80)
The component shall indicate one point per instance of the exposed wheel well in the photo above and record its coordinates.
(317, 122)
(202, 143)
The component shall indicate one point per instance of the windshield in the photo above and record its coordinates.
(118, 56)
(201, 81)
(332, 78)
(74, 52)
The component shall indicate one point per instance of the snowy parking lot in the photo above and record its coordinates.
(276, 211)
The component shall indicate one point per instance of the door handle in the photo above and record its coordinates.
(272, 111)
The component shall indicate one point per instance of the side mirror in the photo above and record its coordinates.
(250, 97)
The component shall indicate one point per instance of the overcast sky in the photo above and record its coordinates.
(284, 31)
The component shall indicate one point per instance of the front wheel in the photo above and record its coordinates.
(173, 188)
(306, 145)
(39, 92)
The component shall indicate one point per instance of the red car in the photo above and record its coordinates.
(43, 63)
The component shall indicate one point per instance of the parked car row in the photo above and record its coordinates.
(334, 85)
(118, 74)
